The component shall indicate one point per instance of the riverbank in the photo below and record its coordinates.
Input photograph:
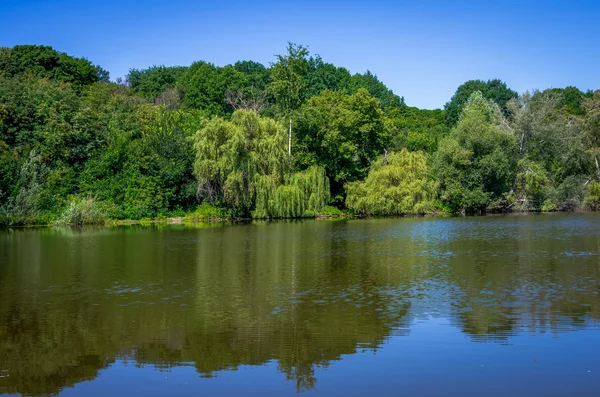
(196, 218)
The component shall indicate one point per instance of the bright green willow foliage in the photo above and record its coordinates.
(243, 164)
(304, 194)
(232, 156)
(397, 184)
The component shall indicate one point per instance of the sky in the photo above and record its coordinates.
(422, 50)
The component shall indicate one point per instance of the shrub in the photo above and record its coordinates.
(86, 211)
(205, 212)
(330, 211)
(548, 205)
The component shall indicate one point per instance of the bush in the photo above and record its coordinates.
(86, 211)
(548, 205)
(205, 212)
(330, 211)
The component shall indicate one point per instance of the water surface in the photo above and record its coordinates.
(495, 306)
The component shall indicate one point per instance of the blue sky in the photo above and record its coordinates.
(423, 50)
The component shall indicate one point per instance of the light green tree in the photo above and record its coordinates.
(537, 128)
(242, 164)
(287, 79)
(397, 184)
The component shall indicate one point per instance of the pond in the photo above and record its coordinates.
(495, 306)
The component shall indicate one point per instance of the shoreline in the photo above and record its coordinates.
(188, 220)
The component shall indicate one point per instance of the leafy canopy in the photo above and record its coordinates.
(397, 184)
(474, 165)
(243, 164)
(45, 62)
(343, 133)
(493, 90)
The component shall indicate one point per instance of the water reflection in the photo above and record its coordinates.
(302, 294)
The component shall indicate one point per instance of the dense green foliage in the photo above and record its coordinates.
(153, 82)
(341, 132)
(396, 184)
(302, 194)
(416, 129)
(234, 157)
(475, 162)
(82, 211)
(243, 164)
(283, 140)
(45, 62)
(494, 90)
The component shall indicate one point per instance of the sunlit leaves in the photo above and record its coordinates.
(397, 183)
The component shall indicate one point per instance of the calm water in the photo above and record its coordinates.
(495, 306)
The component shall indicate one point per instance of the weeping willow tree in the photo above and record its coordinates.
(304, 194)
(397, 184)
(243, 164)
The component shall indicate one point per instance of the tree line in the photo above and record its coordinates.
(297, 138)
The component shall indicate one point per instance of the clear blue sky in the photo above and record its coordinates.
(423, 50)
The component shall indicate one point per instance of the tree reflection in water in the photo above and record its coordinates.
(302, 294)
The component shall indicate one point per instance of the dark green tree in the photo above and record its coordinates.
(323, 76)
(376, 88)
(416, 129)
(151, 82)
(288, 84)
(494, 90)
(343, 133)
(257, 75)
(204, 86)
(44, 61)
(570, 99)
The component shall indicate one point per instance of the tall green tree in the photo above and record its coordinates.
(376, 88)
(591, 129)
(475, 164)
(151, 82)
(542, 136)
(343, 133)
(287, 79)
(231, 157)
(44, 61)
(242, 164)
(204, 86)
(494, 90)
